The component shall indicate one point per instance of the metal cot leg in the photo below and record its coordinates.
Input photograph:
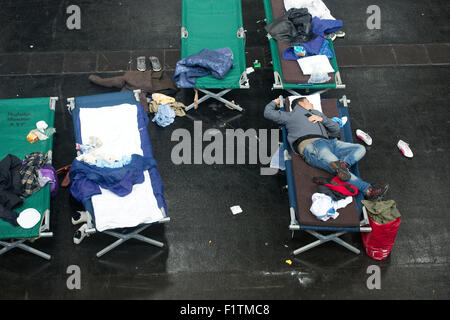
(19, 244)
(217, 96)
(322, 239)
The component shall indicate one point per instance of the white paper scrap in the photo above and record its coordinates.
(236, 209)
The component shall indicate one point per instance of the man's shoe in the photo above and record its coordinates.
(405, 149)
(377, 193)
(80, 234)
(340, 169)
(80, 217)
(156, 65)
(340, 33)
(141, 64)
(364, 137)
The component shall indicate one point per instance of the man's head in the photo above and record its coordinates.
(303, 102)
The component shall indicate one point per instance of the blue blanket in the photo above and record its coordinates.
(320, 27)
(216, 63)
(87, 179)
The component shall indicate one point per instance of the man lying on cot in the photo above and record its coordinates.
(313, 136)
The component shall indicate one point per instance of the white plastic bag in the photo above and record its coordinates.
(319, 77)
(315, 64)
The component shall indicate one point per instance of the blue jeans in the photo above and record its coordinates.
(321, 152)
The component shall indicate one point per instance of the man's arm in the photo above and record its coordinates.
(332, 127)
(277, 116)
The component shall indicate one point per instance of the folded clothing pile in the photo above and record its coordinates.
(20, 179)
(162, 99)
(331, 195)
(216, 63)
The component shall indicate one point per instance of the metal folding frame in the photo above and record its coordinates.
(295, 226)
(44, 231)
(322, 238)
(121, 236)
(278, 84)
(243, 84)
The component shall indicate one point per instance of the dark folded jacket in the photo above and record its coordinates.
(10, 182)
(294, 28)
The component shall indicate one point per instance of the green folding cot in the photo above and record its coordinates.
(212, 24)
(287, 73)
(17, 118)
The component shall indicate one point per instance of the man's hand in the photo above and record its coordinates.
(315, 118)
(277, 101)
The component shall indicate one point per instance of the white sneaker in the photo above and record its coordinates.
(141, 64)
(80, 234)
(364, 137)
(340, 34)
(404, 148)
(82, 218)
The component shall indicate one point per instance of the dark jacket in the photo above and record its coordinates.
(10, 182)
(10, 188)
(294, 28)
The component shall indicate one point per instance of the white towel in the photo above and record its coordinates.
(315, 7)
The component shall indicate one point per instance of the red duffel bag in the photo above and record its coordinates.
(380, 241)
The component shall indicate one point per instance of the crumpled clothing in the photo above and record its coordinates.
(30, 172)
(164, 116)
(102, 160)
(87, 179)
(324, 208)
(382, 212)
(11, 187)
(321, 27)
(47, 174)
(294, 28)
(178, 107)
(335, 196)
(319, 45)
(91, 152)
(337, 185)
(8, 215)
(148, 82)
(326, 50)
(216, 63)
(92, 144)
(162, 98)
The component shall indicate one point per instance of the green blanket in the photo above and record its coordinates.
(212, 25)
(17, 118)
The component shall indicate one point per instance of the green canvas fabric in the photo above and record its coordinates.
(382, 211)
(277, 64)
(17, 118)
(212, 25)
